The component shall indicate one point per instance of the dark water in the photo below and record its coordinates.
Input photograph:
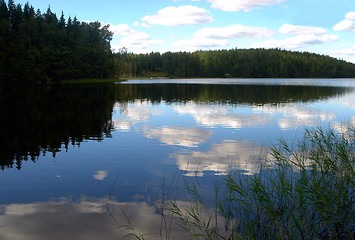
(74, 156)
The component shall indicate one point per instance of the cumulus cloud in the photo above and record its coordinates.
(195, 44)
(121, 29)
(139, 40)
(305, 35)
(301, 30)
(233, 31)
(210, 37)
(187, 137)
(296, 42)
(132, 39)
(118, 29)
(346, 25)
(350, 15)
(139, 24)
(241, 5)
(347, 54)
(178, 16)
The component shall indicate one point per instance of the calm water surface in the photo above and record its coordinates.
(74, 156)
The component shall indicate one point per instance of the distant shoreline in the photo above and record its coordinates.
(145, 78)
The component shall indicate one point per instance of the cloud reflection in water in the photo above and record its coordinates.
(187, 137)
(295, 115)
(126, 114)
(87, 219)
(219, 115)
(100, 175)
(222, 158)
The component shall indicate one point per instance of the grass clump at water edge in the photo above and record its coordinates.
(308, 193)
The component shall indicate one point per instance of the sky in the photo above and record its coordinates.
(319, 26)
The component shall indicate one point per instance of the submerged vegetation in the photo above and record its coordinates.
(40, 47)
(308, 193)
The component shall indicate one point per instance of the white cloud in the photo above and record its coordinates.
(350, 15)
(209, 37)
(121, 30)
(138, 24)
(139, 40)
(345, 25)
(301, 30)
(196, 44)
(347, 54)
(305, 35)
(233, 31)
(296, 42)
(187, 137)
(241, 5)
(132, 39)
(177, 16)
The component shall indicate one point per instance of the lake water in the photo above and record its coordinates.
(75, 157)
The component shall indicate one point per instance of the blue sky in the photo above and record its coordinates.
(320, 26)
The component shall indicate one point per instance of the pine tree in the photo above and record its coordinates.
(61, 23)
(4, 13)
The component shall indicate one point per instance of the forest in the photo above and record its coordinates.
(240, 63)
(40, 47)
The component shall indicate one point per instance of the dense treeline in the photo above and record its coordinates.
(36, 47)
(246, 63)
(40, 47)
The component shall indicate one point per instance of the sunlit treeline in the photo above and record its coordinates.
(42, 47)
(244, 63)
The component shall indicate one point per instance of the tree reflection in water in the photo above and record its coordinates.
(37, 119)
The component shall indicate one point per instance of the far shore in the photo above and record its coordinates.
(113, 80)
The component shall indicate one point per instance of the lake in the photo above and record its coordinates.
(75, 157)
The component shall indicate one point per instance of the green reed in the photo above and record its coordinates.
(308, 192)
